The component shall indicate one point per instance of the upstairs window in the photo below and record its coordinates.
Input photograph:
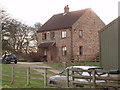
(52, 35)
(81, 50)
(64, 51)
(63, 34)
(44, 36)
(81, 33)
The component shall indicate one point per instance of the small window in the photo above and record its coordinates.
(81, 33)
(64, 50)
(81, 50)
(52, 35)
(64, 34)
(44, 36)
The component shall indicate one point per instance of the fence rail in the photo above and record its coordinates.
(94, 80)
(27, 77)
(30, 77)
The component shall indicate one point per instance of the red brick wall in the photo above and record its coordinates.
(59, 43)
(90, 23)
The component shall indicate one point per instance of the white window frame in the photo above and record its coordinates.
(63, 34)
(64, 50)
(81, 33)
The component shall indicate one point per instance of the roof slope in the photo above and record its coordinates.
(62, 21)
(108, 25)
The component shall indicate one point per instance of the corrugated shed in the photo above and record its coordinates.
(109, 46)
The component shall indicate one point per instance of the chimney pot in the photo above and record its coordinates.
(66, 9)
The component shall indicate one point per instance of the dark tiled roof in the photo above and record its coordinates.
(62, 21)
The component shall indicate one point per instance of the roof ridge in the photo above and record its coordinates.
(74, 11)
(81, 9)
(62, 21)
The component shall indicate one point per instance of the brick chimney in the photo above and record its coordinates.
(66, 9)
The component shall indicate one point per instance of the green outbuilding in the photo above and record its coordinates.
(109, 38)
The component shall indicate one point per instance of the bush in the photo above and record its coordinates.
(35, 57)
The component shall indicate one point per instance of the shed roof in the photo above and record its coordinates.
(62, 21)
(115, 20)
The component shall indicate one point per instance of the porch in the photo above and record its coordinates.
(47, 49)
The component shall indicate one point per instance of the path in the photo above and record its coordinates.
(36, 65)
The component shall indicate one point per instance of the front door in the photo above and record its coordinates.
(45, 52)
(53, 54)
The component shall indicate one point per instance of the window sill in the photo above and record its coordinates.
(52, 38)
(63, 38)
(80, 36)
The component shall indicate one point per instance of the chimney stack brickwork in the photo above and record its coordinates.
(66, 9)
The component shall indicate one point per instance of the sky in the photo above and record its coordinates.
(33, 11)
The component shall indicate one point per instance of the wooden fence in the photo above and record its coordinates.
(29, 77)
(93, 81)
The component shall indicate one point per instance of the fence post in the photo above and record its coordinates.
(45, 77)
(73, 77)
(67, 77)
(65, 65)
(94, 79)
(90, 81)
(12, 76)
(108, 81)
(28, 76)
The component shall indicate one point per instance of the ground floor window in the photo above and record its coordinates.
(63, 34)
(81, 50)
(64, 50)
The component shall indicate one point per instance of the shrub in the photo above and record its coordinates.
(35, 57)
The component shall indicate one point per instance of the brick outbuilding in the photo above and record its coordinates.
(70, 35)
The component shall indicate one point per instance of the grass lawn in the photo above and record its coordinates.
(20, 72)
(60, 66)
(90, 63)
(84, 63)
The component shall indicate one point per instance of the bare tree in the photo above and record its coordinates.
(17, 36)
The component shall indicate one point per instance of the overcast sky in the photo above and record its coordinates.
(32, 11)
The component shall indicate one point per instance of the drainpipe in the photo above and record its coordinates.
(71, 42)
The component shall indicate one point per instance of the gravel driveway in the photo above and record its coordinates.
(36, 66)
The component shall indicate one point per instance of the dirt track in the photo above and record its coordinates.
(36, 65)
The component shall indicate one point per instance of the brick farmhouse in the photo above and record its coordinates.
(70, 36)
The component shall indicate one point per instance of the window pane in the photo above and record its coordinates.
(81, 50)
(44, 36)
(63, 34)
(64, 50)
(81, 33)
(52, 35)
